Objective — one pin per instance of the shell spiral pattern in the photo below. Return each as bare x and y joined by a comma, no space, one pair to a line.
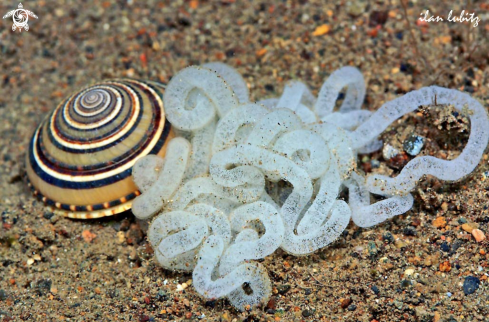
81,156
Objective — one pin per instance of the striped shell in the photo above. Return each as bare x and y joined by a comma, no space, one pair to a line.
81,156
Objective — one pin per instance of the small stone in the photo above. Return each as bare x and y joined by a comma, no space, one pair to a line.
133,255
375,289
307,313
389,152
272,303
409,231
387,236
48,215
161,295
282,289
398,304
188,315
439,222
352,307
30,261
478,235
444,206
406,283
445,267
88,236
53,249
445,247
43,286
462,220
467,227
121,237
413,144
409,272
3,295
471,284
345,302
321,30
372,248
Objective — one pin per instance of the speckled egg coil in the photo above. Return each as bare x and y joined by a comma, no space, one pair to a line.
80,157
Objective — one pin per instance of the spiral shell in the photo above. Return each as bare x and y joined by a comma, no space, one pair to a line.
81,156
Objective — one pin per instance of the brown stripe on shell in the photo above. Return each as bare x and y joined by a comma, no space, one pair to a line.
60,189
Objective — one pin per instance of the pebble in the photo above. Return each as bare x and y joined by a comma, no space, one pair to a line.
389,152
409,231
440,222
467,227
282,289
406,283
3,295
307,313
409,272
121,237
478,235
48,215
471,284
88,236
372,249
352,307
162,295
375,289
398,304
445,247
462,220
345,302
387,236
445,267
272,303
43,286
413,144
181,287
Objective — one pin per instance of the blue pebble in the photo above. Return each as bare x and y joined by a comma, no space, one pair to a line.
375,289
471,284
413,145
445,247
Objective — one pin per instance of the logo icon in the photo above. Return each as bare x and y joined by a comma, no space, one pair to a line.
20,17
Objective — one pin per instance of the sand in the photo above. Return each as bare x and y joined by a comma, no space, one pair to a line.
410,268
